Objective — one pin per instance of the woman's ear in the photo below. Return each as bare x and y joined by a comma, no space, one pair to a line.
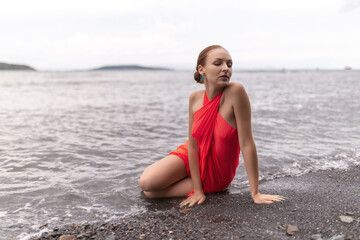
201,70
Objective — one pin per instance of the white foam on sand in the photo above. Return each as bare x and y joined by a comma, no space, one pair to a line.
3,214
27,236
341,160
27,206
134,210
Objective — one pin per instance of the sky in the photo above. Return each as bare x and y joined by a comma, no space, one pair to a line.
259,34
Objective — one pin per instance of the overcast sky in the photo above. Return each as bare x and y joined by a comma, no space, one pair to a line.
79,34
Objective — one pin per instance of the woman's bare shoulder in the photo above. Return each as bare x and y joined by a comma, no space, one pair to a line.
195,100
196,95
236,93
235,87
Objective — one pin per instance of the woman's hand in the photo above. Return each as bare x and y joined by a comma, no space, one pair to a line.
267,199
196,197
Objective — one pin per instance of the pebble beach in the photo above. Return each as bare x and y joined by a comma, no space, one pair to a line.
318,205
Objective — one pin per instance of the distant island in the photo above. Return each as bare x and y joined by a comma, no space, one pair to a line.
128,67
7,66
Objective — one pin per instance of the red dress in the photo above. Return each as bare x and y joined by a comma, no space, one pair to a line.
218,147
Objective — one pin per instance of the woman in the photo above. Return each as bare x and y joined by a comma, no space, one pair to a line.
219,125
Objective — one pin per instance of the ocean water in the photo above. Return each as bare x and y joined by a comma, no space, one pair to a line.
73,144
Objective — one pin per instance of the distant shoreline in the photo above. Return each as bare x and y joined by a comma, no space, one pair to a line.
22,67
187,70
8,66
129,67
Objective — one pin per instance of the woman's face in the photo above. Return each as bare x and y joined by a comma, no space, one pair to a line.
218,67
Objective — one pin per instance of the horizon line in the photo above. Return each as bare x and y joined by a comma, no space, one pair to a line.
345,68
191,70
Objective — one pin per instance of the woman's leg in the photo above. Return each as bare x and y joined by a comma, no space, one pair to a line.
165,177
181,188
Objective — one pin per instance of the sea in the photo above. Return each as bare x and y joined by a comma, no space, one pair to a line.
73,144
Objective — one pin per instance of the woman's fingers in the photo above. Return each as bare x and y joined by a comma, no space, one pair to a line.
279,199
183,203
201,200
186,202
192,200
192,203
189,202
267,199
274,197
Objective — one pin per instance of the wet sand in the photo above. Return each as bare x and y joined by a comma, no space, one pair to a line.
315,202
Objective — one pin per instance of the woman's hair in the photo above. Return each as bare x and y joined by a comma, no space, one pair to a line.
201,61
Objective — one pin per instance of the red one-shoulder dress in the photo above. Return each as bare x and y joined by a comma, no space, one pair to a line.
218,147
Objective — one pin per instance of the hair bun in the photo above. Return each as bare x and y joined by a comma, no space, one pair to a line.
197,77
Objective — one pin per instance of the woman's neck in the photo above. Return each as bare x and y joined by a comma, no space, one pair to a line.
212,92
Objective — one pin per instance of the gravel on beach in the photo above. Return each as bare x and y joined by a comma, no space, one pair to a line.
312,209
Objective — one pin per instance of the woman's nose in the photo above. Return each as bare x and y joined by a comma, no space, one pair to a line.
225,67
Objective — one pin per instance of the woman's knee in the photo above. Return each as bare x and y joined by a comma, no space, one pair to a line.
150,194
143,183
163,173
145,180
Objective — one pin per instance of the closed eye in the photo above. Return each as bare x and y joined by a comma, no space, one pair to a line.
229,64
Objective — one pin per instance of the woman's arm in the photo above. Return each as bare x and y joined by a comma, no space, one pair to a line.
193,154
242,112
